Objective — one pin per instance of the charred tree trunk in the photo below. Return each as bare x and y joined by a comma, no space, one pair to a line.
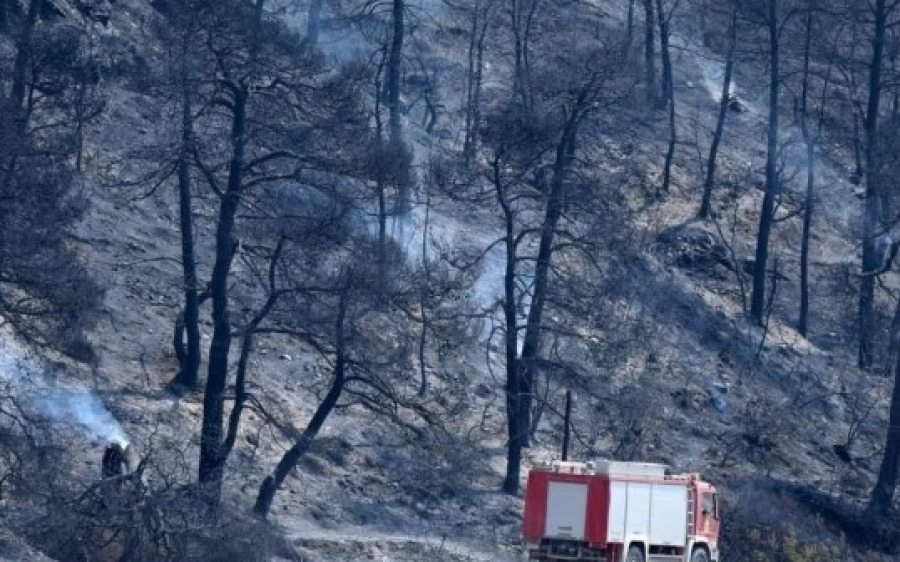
23,56
873,211
469,142
766,216
240,379
531,341
803,318
567,422
270,485
395,57
189,320
857,153
423,300
210,472
81,91
709,182
516,432
474,78
668,83
395,122
882,498
16,117
649,50
668,94
380,183
522,18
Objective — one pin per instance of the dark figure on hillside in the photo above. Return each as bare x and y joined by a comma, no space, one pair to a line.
113,461
119,460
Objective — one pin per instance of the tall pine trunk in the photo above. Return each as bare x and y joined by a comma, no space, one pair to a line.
767,214
809,139
16,119
531,341
668,93
395,122
475,76
515,431
809,203
710,180
522,20
882,498
649,50
211,466
872,211
188,354
668,82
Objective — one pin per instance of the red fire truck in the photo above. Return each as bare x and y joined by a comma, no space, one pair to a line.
609,511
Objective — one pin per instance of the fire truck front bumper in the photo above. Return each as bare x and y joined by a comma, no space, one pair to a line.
554,549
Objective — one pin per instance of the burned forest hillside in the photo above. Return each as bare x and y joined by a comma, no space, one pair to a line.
309,280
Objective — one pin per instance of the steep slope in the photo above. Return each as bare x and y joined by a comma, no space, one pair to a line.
369,490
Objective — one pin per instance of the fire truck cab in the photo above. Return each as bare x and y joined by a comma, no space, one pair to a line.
609,511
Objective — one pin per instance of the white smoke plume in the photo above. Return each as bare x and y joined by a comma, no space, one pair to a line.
713,75
82,409
73,405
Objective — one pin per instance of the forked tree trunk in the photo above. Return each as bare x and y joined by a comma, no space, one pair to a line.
289,460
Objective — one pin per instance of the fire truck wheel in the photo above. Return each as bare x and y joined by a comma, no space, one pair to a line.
700,555
635,554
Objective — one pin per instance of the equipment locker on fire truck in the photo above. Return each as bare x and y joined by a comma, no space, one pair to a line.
612,511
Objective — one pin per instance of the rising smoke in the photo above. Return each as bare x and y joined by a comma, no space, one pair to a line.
71,406
713,73
82,409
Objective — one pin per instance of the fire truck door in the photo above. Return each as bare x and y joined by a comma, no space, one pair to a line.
708,525
566,510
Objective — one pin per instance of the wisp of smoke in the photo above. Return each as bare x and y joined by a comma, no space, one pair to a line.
74,406
84,410
713,75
